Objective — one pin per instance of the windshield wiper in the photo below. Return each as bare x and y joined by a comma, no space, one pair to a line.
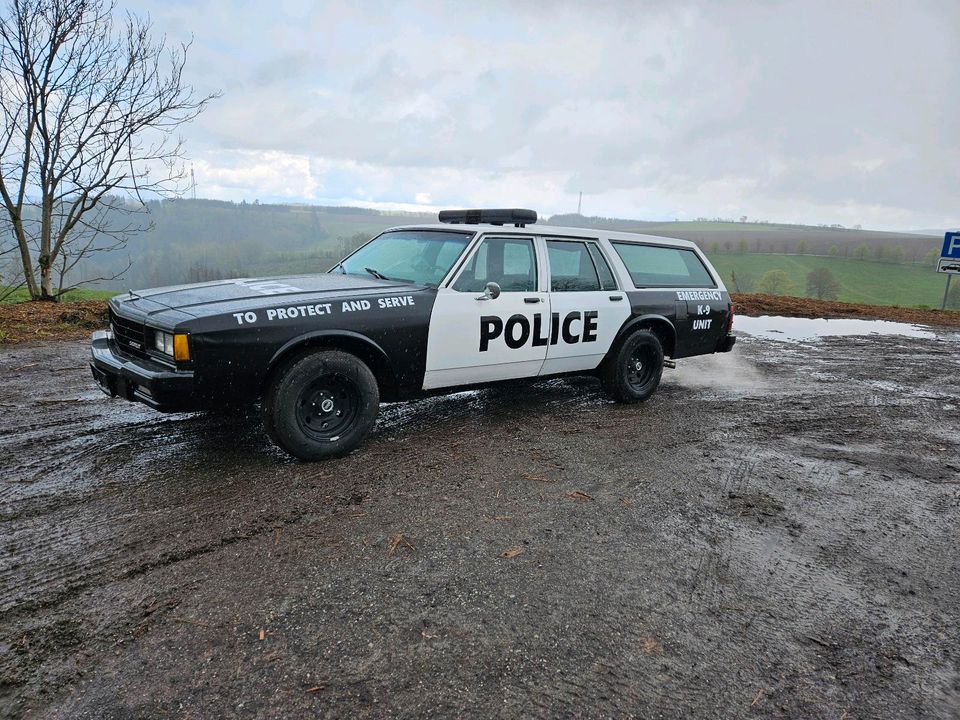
377,274
343,270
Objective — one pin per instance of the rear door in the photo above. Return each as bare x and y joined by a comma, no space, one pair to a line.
474,338
703,305
586,306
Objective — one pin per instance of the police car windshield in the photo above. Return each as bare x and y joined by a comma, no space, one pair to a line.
422,257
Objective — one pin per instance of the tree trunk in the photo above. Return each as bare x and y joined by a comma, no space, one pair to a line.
46,280
28,274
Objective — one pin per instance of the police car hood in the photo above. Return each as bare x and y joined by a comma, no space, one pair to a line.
223,296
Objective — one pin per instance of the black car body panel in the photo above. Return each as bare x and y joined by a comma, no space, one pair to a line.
237,335
240,331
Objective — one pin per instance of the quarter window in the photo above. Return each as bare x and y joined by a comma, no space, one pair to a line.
509,262
659,266
571,269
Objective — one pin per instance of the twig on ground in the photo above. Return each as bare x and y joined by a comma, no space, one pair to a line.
737,608
395,541
536,478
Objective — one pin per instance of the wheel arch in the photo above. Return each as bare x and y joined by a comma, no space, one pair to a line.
344,340
665,331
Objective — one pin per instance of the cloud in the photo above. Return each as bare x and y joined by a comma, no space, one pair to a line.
796,111
251,175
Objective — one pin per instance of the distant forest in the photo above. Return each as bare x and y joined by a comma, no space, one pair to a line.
199,240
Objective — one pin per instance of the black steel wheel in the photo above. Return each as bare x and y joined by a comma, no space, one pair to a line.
321,405
641,366
632,372
328,406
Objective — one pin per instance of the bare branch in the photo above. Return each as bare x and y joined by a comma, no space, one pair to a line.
89,108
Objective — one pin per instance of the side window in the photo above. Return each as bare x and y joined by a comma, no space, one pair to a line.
571,269
509,262
659,266
607,281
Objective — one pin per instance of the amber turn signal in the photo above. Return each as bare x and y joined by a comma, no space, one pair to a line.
181,347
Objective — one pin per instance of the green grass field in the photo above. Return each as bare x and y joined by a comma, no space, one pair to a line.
861,281
80,294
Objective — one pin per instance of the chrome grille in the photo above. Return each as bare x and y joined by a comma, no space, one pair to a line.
130,335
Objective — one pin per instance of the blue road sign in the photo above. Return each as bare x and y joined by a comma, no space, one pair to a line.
951,246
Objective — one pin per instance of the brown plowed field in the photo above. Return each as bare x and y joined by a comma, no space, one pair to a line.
756,304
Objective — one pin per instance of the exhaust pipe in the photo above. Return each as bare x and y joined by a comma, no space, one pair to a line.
669,363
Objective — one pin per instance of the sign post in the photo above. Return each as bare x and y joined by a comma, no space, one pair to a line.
949,262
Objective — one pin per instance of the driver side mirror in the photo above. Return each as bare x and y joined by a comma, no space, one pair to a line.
491,292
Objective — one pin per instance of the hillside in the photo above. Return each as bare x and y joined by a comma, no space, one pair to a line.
197,240
756,237
861,281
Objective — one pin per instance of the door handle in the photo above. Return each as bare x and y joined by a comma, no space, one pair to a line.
532,301
616,297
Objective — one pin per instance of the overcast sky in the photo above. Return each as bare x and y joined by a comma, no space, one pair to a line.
833,112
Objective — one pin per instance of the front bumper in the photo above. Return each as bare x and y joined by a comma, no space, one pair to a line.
139,380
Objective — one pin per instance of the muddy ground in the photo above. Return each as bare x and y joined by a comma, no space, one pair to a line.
774,534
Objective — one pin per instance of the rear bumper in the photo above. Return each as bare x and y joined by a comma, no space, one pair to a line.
727,343
138,380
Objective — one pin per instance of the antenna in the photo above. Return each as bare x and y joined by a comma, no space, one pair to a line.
193,184
580,203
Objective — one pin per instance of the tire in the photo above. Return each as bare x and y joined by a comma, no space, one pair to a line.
321,405
623,379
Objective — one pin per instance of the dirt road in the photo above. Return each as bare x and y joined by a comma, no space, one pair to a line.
775,534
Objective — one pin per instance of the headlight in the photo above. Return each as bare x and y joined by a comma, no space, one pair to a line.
163,342
175,346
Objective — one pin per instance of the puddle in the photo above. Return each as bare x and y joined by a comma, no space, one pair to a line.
794,329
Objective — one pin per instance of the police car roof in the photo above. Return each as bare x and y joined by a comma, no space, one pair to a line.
552,231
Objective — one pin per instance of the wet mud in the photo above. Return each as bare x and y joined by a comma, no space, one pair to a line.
774,534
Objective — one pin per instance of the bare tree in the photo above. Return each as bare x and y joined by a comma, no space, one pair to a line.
822,285
742,283
775,282
89,107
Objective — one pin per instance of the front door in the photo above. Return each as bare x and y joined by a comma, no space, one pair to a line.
476,338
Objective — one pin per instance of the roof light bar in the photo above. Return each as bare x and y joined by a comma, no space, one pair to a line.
518,217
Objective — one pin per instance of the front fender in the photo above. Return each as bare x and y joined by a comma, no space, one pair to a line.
355,343
313,337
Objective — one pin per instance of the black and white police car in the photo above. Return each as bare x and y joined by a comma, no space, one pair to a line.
481,297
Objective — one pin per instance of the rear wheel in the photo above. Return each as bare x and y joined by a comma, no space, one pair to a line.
321,405
632,373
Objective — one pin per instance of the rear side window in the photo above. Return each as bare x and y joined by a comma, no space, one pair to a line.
571,269
658,266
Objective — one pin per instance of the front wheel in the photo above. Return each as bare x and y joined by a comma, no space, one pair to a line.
322,405
632,373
